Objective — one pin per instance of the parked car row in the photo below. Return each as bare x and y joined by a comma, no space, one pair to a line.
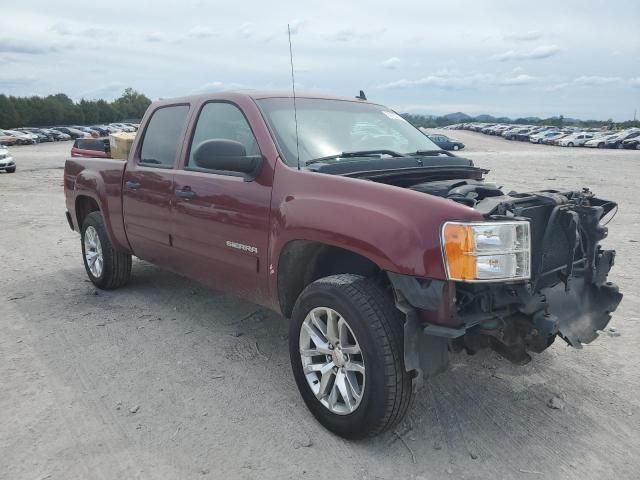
30,136
563,137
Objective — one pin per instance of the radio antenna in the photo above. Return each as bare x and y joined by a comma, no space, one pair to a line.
293,85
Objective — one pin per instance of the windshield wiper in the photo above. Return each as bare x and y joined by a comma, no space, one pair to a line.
358,153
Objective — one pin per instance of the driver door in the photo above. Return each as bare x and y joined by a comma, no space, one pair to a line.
221,220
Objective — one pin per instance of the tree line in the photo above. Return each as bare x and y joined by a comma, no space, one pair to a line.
59,109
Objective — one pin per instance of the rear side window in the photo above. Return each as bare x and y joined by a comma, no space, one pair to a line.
91,144
219,120
162,136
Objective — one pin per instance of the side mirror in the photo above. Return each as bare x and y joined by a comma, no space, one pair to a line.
226,156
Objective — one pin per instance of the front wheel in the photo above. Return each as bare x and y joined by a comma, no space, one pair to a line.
106,267
456,147
346,349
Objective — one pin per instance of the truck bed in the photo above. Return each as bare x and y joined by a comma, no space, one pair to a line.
98,180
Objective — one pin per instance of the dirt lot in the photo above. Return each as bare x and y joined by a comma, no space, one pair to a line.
164,379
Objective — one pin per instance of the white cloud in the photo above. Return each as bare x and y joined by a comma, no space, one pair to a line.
449,80
295,25
109,91
556,87
521,79
218,86
538,53
595,80
391,63
13,81
24,45
246,30
155,37
444,80
529,36
350,34
635,82
61,29
200,32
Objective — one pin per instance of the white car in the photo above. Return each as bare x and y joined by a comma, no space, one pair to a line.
6,161
599,141
123,127
540,136
575,139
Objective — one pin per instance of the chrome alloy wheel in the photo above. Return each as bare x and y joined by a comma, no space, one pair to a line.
93,252
332,360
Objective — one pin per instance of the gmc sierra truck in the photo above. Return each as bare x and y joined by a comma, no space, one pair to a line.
387,253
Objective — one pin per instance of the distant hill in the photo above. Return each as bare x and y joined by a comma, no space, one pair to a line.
458,117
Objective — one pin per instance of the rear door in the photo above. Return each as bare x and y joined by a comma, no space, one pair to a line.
148,184
221,220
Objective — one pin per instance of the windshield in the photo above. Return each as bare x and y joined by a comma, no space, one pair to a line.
330,127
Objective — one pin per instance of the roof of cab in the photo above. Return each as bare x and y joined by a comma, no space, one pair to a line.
252,94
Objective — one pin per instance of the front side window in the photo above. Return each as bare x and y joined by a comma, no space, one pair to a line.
331,127
162,136
222,121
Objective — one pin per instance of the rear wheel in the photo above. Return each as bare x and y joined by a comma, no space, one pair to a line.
106,267
601,145
346,348
570,144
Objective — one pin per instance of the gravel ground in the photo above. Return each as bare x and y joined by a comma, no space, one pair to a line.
165,379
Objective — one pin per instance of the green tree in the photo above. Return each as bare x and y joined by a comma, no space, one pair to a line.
59,109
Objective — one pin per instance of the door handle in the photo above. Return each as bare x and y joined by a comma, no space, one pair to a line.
132,185
185,193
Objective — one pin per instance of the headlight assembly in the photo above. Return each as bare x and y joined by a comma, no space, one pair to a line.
487,251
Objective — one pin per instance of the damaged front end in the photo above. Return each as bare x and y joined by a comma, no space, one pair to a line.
566,294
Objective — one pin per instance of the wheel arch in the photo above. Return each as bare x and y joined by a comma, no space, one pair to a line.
84,205
301,262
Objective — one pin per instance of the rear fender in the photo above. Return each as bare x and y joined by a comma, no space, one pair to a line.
91,184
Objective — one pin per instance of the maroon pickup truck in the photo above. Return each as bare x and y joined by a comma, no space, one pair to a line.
387,253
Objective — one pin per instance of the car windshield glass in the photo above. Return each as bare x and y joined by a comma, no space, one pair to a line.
329,127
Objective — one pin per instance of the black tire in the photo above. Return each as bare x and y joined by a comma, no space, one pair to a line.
378,327
570,144
116,269
11,170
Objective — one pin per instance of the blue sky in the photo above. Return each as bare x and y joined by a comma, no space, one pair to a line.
580,59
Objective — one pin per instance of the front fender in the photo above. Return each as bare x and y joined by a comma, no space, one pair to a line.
396,228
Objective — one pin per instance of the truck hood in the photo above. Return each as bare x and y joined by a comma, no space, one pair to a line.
403,171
